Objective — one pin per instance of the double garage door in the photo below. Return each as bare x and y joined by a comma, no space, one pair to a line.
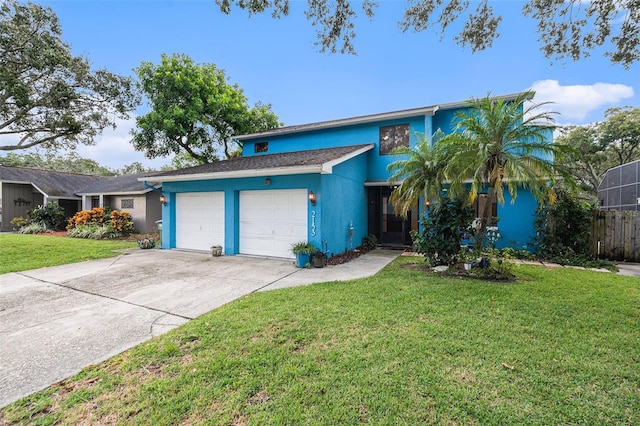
270,221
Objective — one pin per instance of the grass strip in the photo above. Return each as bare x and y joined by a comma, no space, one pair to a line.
20,252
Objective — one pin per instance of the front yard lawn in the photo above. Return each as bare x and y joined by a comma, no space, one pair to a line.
560,346
20,252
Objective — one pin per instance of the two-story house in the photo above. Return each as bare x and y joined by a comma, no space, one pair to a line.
324,182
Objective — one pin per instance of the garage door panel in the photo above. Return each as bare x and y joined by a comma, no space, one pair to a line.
271,221
199,220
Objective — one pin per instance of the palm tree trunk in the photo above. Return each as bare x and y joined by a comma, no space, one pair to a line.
486,217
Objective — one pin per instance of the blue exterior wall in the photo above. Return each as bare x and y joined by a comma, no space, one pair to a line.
327,221
231,188
345,205
516,220
341,196
343,136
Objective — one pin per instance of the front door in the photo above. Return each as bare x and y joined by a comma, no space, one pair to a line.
389,227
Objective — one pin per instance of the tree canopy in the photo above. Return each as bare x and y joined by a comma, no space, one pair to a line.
71,163
194,110
600,146
566,28
49,97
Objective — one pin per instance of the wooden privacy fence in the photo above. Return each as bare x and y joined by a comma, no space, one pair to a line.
615,235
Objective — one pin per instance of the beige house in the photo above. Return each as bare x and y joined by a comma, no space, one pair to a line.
126,193
22,189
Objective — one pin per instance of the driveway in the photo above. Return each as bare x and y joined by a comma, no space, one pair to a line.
55,321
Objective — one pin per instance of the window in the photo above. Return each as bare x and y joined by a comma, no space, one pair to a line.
261,147
481,201
126,203
392,137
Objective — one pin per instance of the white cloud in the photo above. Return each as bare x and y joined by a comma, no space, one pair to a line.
576,102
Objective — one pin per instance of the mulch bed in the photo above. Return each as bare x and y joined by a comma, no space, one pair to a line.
458,271
346,256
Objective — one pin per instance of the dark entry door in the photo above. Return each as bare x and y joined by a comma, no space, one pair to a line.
384,223
393,226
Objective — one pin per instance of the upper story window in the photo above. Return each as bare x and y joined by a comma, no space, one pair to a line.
261,147
392,137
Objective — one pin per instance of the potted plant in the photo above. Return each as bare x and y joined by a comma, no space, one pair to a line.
319,259
303,251
466,257
146,243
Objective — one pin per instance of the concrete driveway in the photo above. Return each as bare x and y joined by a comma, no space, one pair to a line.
55,321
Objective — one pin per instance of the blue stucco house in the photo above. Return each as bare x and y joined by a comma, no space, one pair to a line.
324,182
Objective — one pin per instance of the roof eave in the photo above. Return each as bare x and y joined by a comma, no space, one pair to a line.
109,193
425,111
296,170
327,168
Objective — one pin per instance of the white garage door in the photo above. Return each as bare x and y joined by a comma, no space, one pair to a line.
199,220
272,220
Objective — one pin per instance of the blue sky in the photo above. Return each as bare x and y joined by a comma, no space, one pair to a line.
276,62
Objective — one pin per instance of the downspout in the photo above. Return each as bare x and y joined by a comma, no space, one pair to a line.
146,185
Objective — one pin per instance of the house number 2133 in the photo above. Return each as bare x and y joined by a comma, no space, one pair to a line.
313,223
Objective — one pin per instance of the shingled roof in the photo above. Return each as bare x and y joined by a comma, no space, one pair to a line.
51,183
126,184
311,161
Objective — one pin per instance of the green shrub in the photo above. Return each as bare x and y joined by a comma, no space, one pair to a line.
564,231
94,231
120,223
33,228
51,215
441,229
19,221
369,242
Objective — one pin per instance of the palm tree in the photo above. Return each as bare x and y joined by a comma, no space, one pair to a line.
500,144
420,173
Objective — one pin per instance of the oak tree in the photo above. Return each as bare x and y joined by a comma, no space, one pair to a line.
566,28
598,147
49,97
194,110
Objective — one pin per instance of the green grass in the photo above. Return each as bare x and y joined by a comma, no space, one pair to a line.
20,252
559,346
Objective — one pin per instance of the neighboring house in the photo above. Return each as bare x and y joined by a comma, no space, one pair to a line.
126,193
323,182
22,189
620,188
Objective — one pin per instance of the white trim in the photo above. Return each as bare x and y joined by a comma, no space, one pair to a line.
416,112
238,174
107,193
377,183
327,168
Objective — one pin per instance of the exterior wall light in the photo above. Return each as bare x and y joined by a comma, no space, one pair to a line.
163,200
267,181
312,198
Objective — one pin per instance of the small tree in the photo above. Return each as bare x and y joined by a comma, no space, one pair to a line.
564,228
500,145
419,174
441,230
